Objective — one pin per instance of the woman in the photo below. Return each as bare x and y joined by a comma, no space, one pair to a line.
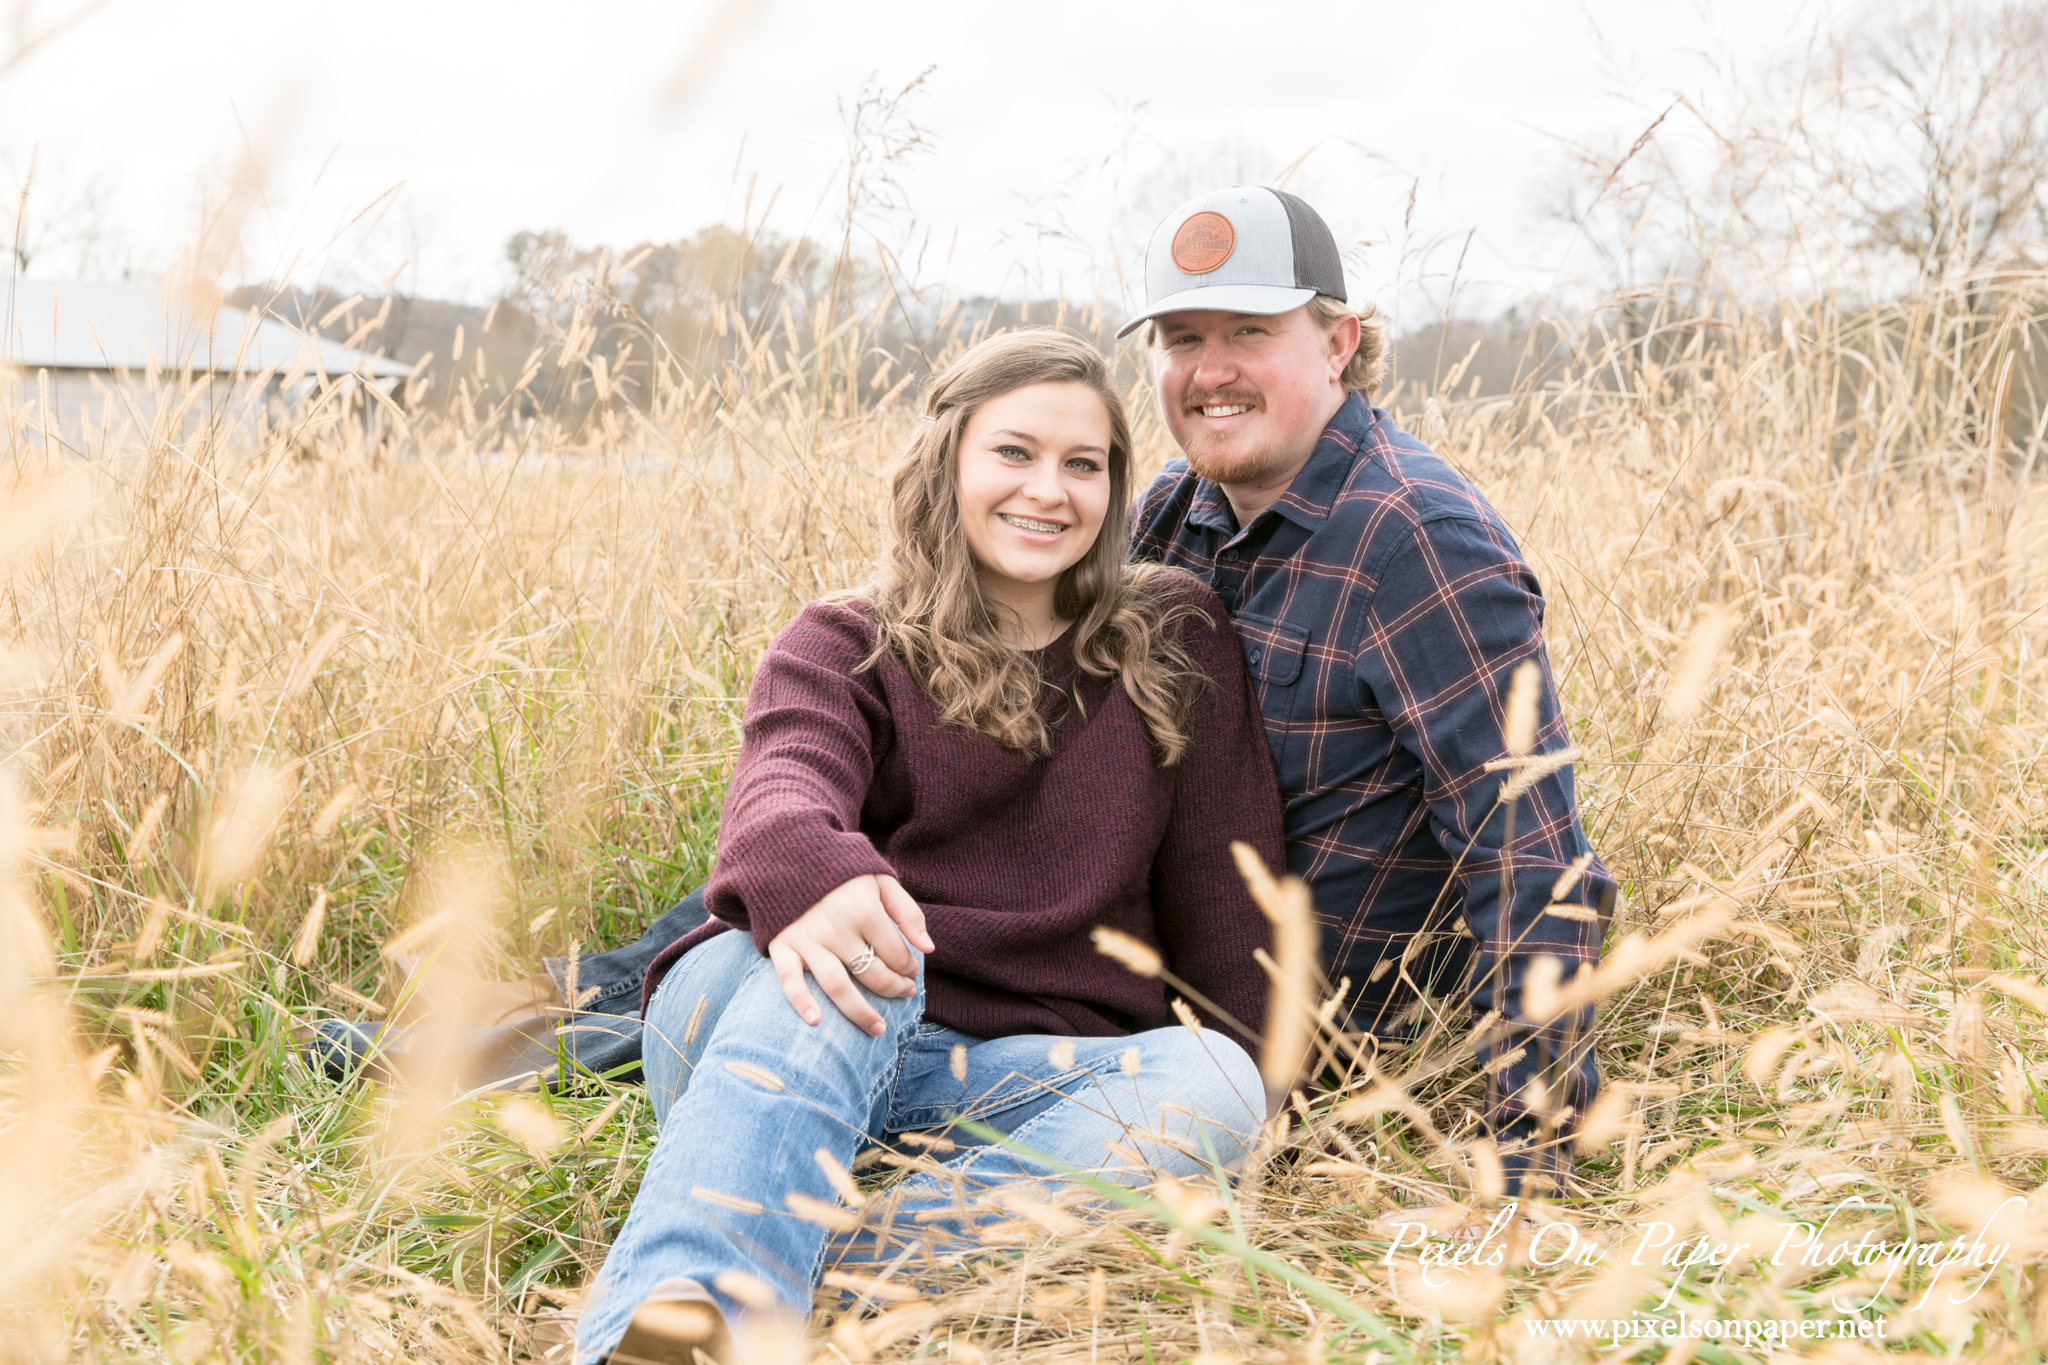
947,781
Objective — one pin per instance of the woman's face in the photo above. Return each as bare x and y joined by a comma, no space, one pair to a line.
1034,484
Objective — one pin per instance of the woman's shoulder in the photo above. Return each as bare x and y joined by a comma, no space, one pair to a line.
838,630
1189,607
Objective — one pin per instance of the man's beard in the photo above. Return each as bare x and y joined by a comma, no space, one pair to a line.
1249,466
1243,466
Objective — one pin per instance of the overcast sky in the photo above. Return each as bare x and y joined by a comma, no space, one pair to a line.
624,122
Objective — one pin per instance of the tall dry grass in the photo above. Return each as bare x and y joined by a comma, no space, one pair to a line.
274,722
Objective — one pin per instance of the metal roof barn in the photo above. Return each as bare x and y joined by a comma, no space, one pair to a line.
143,327
80,359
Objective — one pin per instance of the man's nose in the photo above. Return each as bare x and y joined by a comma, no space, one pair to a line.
1213,368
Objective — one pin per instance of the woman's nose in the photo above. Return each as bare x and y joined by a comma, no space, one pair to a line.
1043,483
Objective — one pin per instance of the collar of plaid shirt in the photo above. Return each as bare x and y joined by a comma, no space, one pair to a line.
1382,606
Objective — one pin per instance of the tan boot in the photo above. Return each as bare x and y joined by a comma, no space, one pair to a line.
678,1323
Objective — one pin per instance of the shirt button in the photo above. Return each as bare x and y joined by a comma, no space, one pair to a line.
1230,556
1255,655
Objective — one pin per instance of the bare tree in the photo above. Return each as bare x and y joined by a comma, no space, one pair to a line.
1906,144
61,226
1955,176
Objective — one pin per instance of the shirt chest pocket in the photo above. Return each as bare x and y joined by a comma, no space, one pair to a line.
1273,655
1273,652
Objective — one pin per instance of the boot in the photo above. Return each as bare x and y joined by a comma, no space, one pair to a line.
678,1323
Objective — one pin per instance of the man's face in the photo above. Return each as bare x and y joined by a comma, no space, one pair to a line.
1247,397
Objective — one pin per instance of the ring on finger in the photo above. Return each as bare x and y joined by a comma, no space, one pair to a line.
856,966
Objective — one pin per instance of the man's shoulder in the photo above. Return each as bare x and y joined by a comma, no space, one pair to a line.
1400,488
1174,480
1162,509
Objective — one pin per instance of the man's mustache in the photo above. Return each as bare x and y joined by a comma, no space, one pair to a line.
1220,398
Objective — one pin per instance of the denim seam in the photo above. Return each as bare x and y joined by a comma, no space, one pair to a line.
966,1162
666,981
888,1078
1023,1092
611,992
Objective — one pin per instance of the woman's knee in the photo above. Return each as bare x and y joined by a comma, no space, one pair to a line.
748,1020
836,1040
1208,1074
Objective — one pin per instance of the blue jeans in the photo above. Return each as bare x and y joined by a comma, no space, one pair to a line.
599,1037
609,982
744,1093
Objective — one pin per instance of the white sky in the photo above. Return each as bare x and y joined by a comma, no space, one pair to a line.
515,114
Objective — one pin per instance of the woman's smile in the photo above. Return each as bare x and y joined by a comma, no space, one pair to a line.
1035,528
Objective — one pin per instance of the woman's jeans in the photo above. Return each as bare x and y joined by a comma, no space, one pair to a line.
746,1096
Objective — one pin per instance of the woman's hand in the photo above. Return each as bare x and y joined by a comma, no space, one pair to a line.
858,922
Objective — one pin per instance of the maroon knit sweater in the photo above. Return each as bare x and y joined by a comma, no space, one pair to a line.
844,772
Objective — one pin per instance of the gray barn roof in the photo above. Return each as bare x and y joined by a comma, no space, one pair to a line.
134,326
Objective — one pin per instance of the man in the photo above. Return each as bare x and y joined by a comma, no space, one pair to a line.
1383,608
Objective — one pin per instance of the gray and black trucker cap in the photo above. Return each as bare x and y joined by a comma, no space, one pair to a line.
1246,249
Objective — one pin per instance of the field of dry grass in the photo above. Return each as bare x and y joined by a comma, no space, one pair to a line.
272,720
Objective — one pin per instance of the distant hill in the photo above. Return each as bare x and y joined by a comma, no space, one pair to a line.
676,291
414,327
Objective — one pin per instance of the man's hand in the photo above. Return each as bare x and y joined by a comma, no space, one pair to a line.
861,922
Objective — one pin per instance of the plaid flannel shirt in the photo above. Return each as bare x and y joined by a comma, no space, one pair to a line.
1383,606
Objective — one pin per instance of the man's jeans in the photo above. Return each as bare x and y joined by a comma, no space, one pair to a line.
600,1036
746,1096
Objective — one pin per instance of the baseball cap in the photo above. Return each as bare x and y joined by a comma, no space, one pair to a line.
1246,249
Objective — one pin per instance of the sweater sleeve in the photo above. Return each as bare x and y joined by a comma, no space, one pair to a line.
1208,924
815,725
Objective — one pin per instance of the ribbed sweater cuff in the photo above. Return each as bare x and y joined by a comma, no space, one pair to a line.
778,885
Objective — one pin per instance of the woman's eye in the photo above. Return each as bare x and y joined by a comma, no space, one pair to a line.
1082,465
1013,453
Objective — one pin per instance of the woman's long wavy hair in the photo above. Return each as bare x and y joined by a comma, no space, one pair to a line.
926,595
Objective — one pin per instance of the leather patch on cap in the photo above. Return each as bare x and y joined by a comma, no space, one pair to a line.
1204,242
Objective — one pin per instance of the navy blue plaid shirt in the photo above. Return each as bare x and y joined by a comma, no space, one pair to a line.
1383,607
